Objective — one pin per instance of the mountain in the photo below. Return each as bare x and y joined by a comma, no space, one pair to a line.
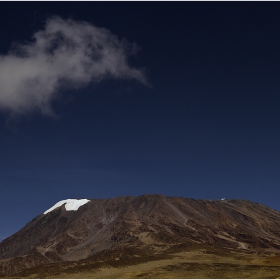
134,227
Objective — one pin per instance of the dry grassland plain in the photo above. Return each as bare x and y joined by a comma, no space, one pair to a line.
200,263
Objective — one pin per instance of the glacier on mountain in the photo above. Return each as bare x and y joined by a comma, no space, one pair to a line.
70,204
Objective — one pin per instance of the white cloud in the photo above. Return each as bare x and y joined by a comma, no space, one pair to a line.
66,53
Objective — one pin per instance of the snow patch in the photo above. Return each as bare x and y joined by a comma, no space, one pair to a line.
70,204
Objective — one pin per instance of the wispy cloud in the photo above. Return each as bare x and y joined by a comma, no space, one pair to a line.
66,53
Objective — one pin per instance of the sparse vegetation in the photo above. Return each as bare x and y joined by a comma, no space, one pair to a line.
195,263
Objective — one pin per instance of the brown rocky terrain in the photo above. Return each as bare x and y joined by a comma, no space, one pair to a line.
150,236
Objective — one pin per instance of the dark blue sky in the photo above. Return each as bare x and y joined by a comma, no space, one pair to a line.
206,125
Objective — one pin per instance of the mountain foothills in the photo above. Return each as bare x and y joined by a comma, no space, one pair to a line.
86,235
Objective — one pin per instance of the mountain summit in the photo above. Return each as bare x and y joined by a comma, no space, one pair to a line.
73,230
70,204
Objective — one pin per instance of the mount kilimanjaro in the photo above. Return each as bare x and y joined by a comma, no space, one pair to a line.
91,231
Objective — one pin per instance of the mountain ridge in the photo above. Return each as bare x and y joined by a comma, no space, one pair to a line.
143,225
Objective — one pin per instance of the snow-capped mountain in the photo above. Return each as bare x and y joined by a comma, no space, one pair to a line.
73,229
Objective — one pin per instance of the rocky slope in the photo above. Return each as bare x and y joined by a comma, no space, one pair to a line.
144,225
